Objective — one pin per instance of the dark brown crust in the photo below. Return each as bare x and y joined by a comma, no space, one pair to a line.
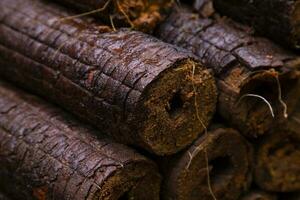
143,15
46,154
242,64
277,166
258,195
277,19
230,158
106,79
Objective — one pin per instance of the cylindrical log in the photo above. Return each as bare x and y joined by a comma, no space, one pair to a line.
257,80
258,195
130,85
229,158
277,161
277,19
142,15
46,154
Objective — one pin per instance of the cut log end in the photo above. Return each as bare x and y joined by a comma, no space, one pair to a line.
278,162
178,106
229,158
263,99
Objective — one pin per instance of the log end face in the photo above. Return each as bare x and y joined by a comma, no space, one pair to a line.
229,160
278,162
260,101
177,107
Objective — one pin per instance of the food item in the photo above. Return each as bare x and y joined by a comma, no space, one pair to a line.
46,154
277,19
257,80
229,163
130,85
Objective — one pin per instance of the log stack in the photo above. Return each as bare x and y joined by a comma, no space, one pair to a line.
160,99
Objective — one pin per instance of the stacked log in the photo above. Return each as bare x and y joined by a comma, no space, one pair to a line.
130,85
250,71
277,19
185,102
229,158
138,14
46,154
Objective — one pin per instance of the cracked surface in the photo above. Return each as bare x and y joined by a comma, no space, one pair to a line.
230,165
242,64
277,19
109,79
46,154
144,15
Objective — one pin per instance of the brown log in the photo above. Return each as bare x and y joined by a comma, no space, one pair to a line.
258,195
277,19
142,15
130,85
46,154
244,65
277,166
230,168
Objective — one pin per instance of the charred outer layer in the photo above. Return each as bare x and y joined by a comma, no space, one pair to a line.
242,64
45,154
130,85
277,19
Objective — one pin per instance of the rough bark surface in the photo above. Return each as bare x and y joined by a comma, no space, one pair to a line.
45,154
131,85
243,65
142,15
230,165
277,161
259,195
277,19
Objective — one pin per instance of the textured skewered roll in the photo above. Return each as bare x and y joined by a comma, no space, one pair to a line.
130,85
257,80
229,158
142,15
46,154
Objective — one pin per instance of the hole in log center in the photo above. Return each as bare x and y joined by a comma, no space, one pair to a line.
175,105
222,167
